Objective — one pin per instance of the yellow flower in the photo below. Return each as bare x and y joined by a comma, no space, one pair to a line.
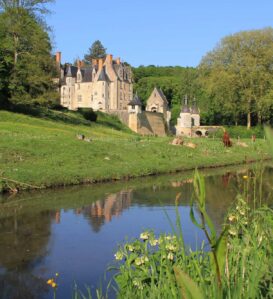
57,274
50,281
54,285
245,177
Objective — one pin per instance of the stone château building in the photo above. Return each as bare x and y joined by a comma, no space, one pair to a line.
105,85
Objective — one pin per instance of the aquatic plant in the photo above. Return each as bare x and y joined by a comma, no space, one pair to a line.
238,263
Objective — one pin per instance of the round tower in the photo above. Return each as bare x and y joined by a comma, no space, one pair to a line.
195,114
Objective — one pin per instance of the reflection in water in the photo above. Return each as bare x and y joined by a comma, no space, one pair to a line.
44,233
102,211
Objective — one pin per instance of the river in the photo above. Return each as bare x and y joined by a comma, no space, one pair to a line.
76,231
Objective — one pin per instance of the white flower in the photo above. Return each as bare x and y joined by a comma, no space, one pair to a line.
138,284
170,256
242,212
138,261
232,232
144,236
141,260
171,247
154,242
119,256
130,247
231,218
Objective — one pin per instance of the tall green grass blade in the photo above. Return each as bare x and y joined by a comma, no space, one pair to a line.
193,219
220,252
188,288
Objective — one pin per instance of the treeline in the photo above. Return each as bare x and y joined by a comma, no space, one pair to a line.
27,67
233,83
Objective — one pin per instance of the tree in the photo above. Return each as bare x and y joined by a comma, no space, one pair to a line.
26,64
238,73
29,5
96,51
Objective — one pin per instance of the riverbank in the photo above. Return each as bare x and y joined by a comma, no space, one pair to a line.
37,153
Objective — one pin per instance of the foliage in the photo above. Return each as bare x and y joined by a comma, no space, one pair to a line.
88,114
175,82
241,132
238,264
238,75
29,5
96,51
26,65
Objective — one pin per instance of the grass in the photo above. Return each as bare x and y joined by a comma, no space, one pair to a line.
45,152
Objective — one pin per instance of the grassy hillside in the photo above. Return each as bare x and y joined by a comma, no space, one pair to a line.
46,152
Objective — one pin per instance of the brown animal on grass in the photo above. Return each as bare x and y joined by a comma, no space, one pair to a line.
226,140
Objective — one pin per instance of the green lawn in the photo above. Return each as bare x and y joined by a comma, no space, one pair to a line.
45,152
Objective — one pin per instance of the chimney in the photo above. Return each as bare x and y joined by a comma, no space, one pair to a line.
79,64
94,62
100,63
118,60
109,58
58,57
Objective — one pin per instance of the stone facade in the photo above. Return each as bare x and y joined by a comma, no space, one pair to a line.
158,103
151,121
105,85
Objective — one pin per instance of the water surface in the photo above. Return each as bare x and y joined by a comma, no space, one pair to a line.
76,231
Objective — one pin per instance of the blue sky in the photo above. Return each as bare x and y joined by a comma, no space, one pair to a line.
159,32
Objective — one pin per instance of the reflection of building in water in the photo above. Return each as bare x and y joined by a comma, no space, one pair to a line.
102,211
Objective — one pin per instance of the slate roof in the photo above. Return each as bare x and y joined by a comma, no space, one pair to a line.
185,108
136,101
103,76
194,109
87,74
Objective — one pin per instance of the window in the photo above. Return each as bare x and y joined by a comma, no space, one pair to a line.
133,106
92,98
95,93
103,95
79,98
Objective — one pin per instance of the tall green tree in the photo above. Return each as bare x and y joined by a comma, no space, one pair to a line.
238,74
26,64
96,51
33,6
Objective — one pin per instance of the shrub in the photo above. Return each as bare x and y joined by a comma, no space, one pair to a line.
241,132
88,114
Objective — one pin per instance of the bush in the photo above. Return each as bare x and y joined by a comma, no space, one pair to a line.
240,131
88,114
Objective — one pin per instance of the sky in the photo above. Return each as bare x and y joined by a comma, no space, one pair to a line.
152,32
